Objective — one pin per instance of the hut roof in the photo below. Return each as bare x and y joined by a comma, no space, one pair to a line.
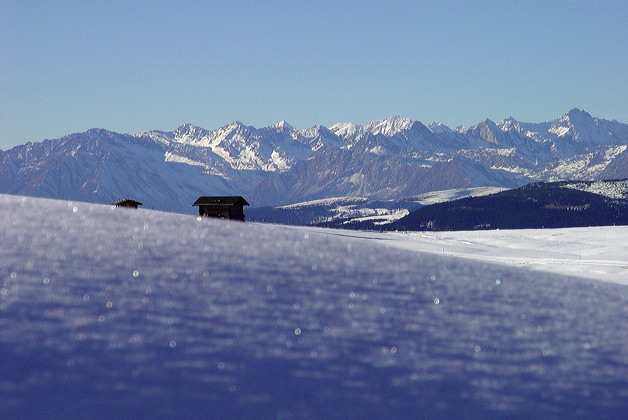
127,201
205,200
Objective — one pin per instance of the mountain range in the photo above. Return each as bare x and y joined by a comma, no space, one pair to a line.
279,165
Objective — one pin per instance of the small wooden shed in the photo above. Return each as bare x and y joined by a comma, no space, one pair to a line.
231,208
127,202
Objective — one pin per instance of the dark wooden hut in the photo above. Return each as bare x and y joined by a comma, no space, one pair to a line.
127,202
231,208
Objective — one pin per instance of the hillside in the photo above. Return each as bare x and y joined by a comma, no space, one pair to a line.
349,210
537,205
117,313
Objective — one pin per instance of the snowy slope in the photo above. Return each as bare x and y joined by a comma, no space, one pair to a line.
594,252
117,313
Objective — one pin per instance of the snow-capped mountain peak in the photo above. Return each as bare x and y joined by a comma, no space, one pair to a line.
189,131
579,126
486,130
509,124
438,128
344,129
283,126
319,137
572,119
578,114
388,127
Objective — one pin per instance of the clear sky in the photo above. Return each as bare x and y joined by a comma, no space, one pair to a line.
130,66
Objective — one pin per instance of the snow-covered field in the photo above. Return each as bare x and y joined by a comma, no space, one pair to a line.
116,313
596,253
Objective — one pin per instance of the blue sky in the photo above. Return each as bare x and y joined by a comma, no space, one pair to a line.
131,66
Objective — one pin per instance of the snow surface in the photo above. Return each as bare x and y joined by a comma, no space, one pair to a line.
595,253
118,313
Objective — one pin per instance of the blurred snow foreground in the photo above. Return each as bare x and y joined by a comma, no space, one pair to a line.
117,313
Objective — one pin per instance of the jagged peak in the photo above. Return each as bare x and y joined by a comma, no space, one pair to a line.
509,124
436,127
574,115
578,112
398,121
188,129
186,126
98,131
486,130
390,126
236,126
318,129
283,125
345,128
486,123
